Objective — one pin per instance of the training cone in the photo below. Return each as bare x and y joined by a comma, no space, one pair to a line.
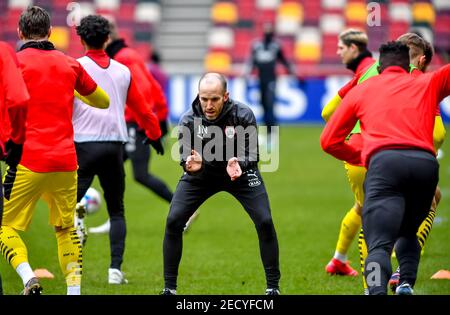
43,273
441,274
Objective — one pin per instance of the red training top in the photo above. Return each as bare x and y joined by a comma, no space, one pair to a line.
51,78
396,110
13,99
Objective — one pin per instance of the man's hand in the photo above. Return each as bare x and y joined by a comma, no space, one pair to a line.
194,162
156,144
13,153
234,169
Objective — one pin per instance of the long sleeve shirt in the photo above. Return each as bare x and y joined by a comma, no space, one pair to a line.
396,110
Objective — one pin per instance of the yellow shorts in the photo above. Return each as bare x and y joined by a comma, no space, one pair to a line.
23,188
356,176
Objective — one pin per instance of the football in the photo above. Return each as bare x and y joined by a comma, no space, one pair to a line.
91,201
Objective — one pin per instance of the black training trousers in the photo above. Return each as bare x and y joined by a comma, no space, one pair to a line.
192,191
399,188
105,159
267,92
139,154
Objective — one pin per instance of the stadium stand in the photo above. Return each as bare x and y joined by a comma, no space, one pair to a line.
192,34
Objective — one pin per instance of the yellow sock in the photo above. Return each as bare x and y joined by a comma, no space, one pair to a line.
362,246
70,255
425,228
349,227
12,247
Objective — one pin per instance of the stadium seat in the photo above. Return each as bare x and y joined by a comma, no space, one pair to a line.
333,4
109,5
313,11
60,37
443,5
243,38
423,12
329,48
147,12
289,18
442,25
356,12
400,12
267,4
308,45
246,9
221,37
331,24
217,61
19,4
224,13
396,29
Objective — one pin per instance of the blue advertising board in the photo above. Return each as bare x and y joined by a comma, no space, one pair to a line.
296,101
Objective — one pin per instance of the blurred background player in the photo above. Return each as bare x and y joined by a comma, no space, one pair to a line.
135,149
397,112
264,56
48,167
100,136
13,110
352,49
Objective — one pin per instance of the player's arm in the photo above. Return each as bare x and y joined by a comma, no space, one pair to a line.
282,58
334,103
160,107
331,107
98,98
144,115
188,155
438,132
441,82
15,94
88,91
247,150
336,131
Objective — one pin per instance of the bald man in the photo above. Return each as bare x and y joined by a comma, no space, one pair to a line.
219,152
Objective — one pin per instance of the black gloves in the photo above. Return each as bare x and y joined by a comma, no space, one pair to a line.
156,144
164,127
13,153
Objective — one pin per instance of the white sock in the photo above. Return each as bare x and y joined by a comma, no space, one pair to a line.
340,257
74,290
25,272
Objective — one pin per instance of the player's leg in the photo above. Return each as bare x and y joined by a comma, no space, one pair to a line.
60,195
190,193
250,191
139,155
350,225
383,212
111,175
87,156
421,189
422,235
22,190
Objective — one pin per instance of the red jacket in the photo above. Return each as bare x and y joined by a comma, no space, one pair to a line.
13,99
360,70
151,89
396,110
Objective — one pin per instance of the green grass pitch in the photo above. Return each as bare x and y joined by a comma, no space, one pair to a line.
309,196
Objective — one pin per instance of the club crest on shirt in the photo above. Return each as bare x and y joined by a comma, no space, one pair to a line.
202,131
230,132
